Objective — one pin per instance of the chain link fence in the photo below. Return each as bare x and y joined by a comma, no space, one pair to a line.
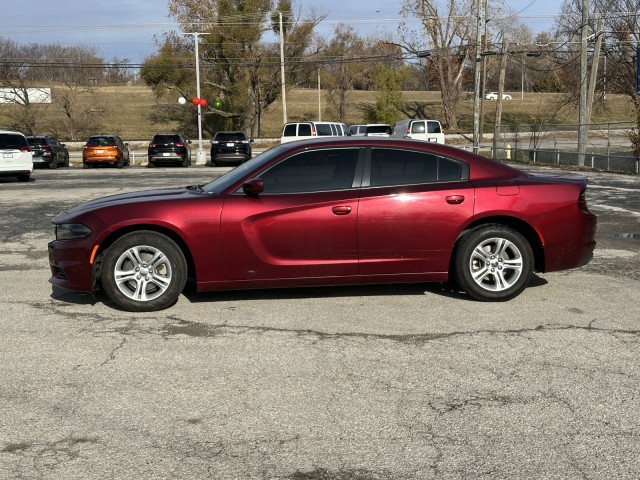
608,147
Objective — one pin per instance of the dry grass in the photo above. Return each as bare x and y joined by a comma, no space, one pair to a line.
127,110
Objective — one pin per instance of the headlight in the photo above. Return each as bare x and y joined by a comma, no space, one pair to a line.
68,231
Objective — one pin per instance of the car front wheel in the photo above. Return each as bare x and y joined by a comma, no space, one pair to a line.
493,263
144,271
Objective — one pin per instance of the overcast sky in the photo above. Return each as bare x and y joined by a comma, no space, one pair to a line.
125,29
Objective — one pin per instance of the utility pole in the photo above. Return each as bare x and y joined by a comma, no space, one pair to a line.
476,95
282,77
583,122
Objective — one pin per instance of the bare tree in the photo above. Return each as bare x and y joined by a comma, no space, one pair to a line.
446,33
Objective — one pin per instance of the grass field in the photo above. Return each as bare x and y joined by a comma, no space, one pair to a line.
128,109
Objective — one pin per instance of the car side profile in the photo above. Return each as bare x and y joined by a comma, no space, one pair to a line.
494,96
105,150
16,158
335,211
293,131
48,151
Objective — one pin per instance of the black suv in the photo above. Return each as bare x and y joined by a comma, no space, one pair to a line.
169,148
230,147
48,151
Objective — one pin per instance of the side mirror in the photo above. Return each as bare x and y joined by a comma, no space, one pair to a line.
253,187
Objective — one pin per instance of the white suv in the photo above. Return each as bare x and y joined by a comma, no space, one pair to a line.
16,159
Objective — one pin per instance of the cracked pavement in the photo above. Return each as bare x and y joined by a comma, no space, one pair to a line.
358,383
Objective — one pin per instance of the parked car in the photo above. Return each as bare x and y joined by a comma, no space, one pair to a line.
494,96
378,130
357,130
48,151
15,156
334,211
419,129
105,150
293,131
168,149
230,147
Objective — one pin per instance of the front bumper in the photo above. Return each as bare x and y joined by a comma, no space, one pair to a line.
69,263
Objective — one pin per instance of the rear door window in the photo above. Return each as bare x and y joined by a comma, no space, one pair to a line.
304,130
417,127
289,130
405,167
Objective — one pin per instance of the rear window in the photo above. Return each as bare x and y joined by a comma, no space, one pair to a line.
379,129
35,141
230,137
166,139
12,141
101,141
434,127
417,127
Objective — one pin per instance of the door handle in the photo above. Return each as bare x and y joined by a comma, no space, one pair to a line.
341,210
454,199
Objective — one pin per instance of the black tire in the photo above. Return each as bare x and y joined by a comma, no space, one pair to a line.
24,178
150,164
53,164
66,160
185,163
120,163
148,288
493,263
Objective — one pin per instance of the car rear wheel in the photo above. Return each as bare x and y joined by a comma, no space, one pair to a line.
493,263
54,162
144,271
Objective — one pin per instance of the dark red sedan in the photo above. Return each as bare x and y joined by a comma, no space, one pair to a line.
330,212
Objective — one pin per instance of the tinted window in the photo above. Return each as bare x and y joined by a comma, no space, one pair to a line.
417,127
404,167
101,141
318,170
434,127
289,130
323,129
304,130
379,129
166,139
12,141
230,137
36,141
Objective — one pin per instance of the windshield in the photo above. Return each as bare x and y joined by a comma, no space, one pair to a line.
220,184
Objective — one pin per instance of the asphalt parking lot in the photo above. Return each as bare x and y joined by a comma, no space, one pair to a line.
382,382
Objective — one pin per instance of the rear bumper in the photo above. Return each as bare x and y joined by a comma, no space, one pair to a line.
230,157
570,241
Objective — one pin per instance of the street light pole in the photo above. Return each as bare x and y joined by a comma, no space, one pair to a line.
201,155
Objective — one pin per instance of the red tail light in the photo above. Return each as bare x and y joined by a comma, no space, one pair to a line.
151,145
25,149
313,132
582,198
180,145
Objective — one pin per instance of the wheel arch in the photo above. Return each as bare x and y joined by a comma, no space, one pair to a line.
516,224
115,235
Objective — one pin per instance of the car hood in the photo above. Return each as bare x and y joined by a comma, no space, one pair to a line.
144,196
